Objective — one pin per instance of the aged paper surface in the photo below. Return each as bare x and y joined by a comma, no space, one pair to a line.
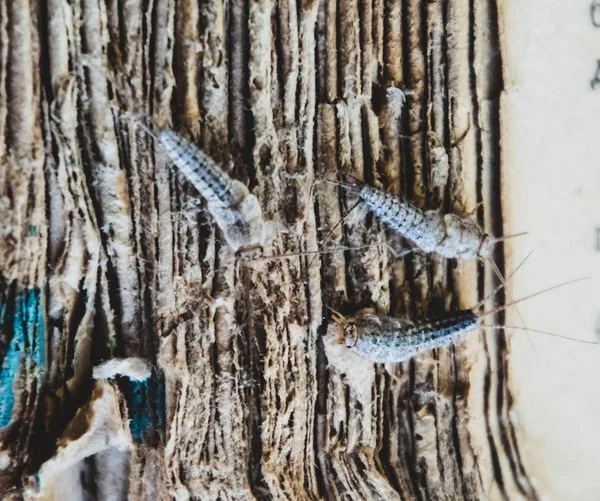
551,187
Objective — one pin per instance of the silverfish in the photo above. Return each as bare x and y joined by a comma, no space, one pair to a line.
450,235
236,211
383,339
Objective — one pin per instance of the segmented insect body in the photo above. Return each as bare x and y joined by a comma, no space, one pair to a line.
236,211
449,235
199,169
387,339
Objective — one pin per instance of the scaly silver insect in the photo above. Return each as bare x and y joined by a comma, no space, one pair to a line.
236,211
383,339
450,235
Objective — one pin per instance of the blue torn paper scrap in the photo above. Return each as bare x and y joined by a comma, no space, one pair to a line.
146,399
27,345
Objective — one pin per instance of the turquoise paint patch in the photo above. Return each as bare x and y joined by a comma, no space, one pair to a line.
8,372
29,319
28,342
146,406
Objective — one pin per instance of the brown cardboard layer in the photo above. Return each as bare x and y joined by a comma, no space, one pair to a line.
243,400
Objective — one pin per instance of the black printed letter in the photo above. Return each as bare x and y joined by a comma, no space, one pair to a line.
596,79
595,13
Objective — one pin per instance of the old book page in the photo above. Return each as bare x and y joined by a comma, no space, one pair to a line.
551,120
